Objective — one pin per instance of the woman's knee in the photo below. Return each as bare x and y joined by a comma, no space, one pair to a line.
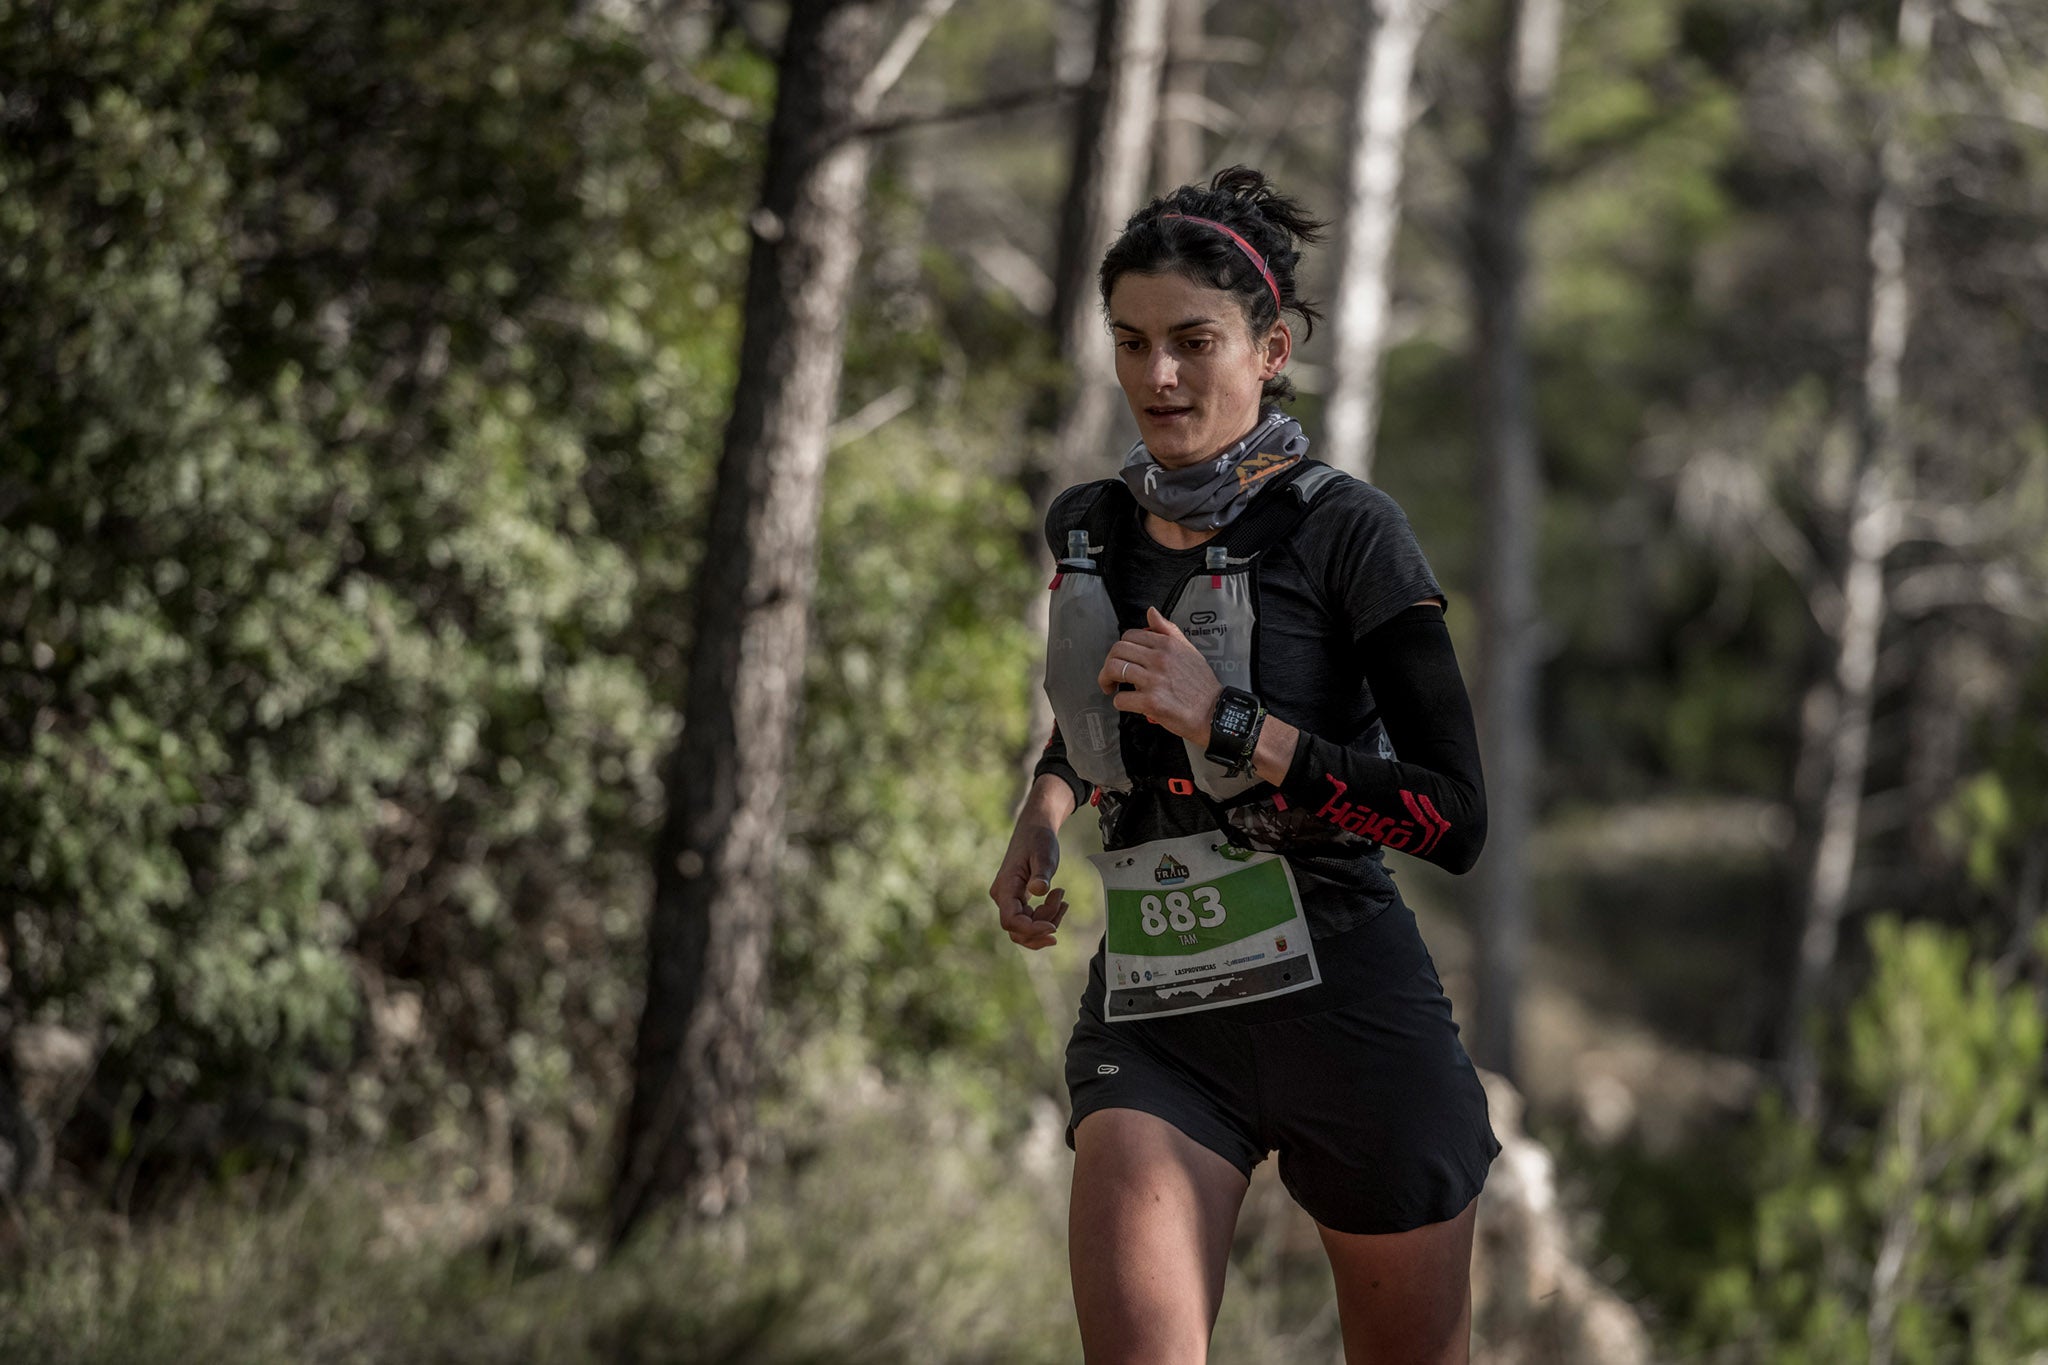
1405,1298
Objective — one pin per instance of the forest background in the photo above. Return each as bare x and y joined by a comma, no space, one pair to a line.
395,431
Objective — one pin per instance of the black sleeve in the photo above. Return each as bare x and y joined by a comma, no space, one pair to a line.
1370,567
1054,761
1430,800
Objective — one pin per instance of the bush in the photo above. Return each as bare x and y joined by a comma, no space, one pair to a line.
1908,1231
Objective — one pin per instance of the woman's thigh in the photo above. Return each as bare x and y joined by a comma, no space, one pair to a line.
1148,1238
1405,1298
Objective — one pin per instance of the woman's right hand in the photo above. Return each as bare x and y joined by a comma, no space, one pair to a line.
1028,866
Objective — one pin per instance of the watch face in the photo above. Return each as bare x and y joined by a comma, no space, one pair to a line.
1235,716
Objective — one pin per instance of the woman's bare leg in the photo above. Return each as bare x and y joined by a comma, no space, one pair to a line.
1148,1239
1405,1298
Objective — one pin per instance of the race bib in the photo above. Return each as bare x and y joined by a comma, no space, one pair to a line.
1197,923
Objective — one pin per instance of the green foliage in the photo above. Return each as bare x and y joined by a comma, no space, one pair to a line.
1999,818
909,762
1906,1232
358,372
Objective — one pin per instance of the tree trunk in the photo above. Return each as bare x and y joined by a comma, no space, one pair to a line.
1177,155
1511,511
687,1131
1874,514
1381,111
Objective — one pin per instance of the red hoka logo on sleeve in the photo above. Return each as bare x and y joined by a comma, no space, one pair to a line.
1418,835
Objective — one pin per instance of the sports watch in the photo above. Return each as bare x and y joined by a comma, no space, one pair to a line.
1234,730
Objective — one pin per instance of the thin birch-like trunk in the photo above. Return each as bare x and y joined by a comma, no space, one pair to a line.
1875,509
1902,1226
1177,157
1381,111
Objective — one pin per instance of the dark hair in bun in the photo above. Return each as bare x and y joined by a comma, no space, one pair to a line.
1157,242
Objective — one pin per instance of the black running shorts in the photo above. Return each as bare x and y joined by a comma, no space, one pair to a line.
1359,1082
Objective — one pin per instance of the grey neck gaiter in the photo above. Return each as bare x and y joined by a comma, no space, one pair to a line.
1210,495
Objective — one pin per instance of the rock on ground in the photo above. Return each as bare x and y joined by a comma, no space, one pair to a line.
1533,1303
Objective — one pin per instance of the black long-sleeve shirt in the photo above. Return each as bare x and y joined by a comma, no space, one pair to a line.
1387,750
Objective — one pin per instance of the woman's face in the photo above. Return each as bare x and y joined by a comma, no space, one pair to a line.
1188,364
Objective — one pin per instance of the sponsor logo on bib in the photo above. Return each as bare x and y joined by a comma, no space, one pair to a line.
1170,872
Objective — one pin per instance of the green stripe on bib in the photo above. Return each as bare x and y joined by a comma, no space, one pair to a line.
1198,917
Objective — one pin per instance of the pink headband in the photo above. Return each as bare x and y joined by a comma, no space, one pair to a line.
1257,259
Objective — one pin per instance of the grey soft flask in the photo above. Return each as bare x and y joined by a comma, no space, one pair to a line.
1080,628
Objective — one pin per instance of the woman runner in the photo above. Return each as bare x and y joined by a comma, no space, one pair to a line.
1254,686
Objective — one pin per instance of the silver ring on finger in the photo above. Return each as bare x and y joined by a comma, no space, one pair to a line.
1126,670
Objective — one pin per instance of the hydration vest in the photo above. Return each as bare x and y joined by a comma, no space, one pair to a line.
1215,606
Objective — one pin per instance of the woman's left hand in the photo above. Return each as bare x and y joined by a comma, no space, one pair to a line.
1171,683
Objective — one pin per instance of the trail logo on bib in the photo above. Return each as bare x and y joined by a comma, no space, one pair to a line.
1170,872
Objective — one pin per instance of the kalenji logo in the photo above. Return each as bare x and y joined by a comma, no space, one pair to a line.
1417,835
